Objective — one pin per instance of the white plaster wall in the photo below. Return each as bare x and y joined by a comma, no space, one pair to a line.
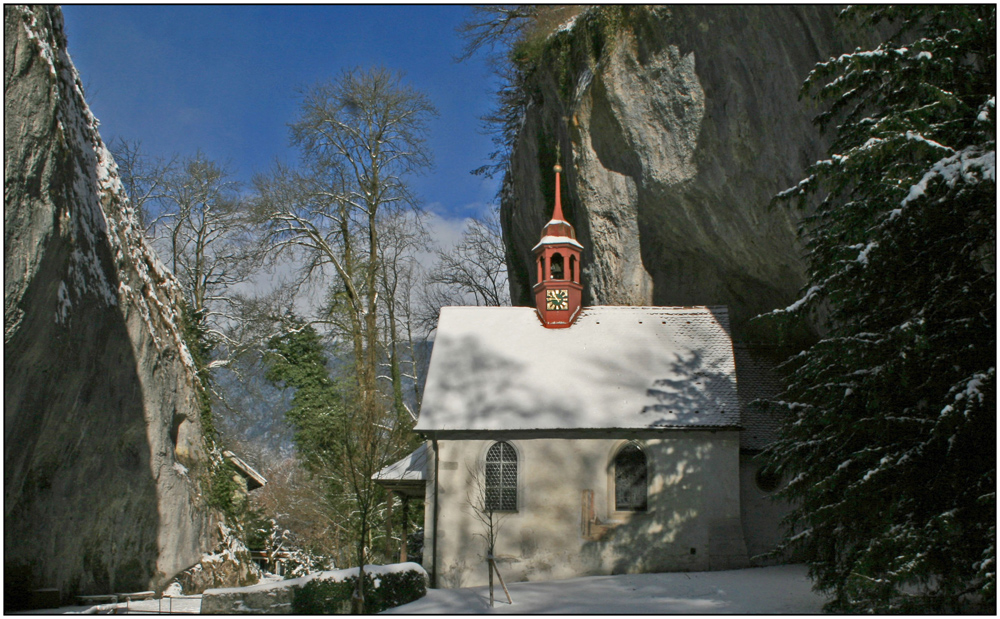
761,514
693,520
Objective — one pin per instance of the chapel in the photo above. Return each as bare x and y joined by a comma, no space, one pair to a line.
594,440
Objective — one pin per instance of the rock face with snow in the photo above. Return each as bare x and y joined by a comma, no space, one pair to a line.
103,445
675,132
229,566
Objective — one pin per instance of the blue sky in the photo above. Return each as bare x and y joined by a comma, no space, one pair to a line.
224,79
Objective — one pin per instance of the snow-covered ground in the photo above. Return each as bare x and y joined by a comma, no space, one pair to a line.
782,589
190,604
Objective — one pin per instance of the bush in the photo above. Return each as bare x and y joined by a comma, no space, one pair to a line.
396,589
382,592
323,597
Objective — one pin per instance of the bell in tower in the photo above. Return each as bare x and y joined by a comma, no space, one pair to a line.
558,291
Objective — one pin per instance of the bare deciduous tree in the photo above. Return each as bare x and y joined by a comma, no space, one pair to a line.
495,25
482,504
360,137
474,272
144,177
193,215
403,234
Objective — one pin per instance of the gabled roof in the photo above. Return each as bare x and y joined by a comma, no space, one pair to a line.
411,468
254,479
498,368
407,476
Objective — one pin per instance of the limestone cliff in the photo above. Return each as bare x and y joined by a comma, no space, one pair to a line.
676,126
103,444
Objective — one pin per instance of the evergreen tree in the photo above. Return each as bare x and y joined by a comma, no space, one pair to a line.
890,446
296,360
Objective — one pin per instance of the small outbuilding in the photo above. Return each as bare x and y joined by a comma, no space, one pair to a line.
408,479
246,477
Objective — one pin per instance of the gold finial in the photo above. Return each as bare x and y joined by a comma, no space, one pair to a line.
557,168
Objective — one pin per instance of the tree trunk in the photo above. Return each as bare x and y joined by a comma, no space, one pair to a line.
406,525
489,564
502,584
388,526
358,605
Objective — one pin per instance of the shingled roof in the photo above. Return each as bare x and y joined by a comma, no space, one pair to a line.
758,383
406,476
498,368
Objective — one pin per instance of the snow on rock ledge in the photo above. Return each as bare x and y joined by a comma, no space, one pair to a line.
99,394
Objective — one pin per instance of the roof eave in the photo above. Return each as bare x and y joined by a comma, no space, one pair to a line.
557,240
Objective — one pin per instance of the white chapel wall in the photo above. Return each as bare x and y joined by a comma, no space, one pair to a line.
762,514
693,520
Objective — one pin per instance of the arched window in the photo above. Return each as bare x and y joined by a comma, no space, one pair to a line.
767,480
572,269
556,266
541,269
630,480
501,477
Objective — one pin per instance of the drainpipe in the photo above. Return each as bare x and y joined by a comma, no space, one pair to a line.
434,542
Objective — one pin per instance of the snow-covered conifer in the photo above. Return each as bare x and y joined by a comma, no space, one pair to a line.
891,444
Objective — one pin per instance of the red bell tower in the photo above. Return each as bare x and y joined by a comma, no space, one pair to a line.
558,292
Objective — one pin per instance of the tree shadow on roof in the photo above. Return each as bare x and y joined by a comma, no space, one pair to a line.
696,393
486,387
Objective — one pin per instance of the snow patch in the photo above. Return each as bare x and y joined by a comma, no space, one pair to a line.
783,589
568,25
962,166
794,307
863,256
44,48
174,590
984,112
916,137
330,575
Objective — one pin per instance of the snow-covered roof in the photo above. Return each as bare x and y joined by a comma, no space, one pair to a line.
498,368
407,476
556,240
411,468
254,479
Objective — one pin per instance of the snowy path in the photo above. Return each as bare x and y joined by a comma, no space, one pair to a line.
190,604
782,589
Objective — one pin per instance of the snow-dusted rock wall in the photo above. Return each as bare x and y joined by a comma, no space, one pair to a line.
674,139
229,566
102,438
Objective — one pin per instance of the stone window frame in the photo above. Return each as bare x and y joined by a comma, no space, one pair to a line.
518,462
613,485
766,482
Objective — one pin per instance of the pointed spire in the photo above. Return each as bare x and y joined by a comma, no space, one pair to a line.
557,213
558,227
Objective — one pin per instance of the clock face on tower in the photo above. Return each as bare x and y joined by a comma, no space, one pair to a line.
557,299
